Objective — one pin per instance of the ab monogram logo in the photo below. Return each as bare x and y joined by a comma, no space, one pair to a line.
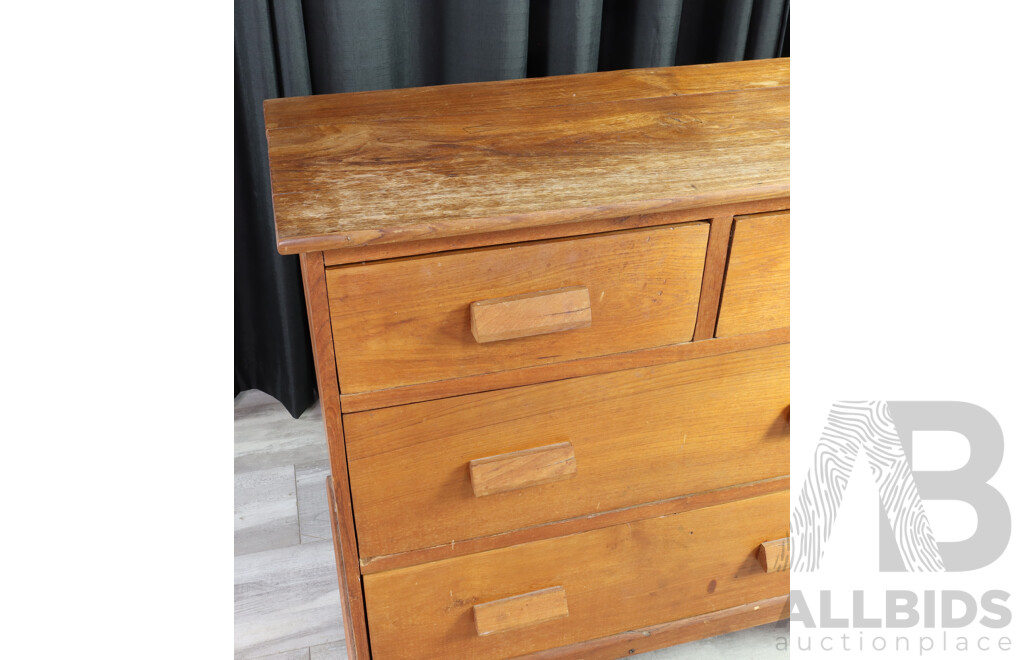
882,431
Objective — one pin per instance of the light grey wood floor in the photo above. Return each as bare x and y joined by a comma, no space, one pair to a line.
287,605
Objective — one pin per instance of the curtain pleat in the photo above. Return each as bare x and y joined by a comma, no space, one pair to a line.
565,37
301,47
784,39
767,22
355,46
289,35
637,34
272,350
733,28
484,40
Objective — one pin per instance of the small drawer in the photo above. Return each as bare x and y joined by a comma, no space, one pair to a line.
560,591
756,293
430,473
432,318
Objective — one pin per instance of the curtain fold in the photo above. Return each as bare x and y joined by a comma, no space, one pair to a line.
565,37
301,47
272,351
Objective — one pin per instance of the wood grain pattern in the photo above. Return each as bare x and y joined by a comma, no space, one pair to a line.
285,598
714,275
266,438
376,252
473,232
616,579
388,332
543,373
266,515
329,651
522,469
681,631
363,179
575,525
315,285
297,654
520,611
530,314
515,95
756,295
686,427
314,518
774,555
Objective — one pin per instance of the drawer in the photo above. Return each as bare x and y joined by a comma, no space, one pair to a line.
564,449
413,320
756,292
579,587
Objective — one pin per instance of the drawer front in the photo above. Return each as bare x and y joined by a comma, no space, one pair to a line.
429,473
432,318
756,293
559,591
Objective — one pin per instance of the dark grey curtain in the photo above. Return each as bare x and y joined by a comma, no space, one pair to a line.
297,48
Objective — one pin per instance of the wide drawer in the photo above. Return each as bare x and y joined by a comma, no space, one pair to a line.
756,293
434,472
437,317
579,587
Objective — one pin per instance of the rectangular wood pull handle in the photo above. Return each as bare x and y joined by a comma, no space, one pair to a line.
774,555
528,314
522,469
520,611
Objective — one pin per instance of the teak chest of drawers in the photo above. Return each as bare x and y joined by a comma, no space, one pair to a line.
551,327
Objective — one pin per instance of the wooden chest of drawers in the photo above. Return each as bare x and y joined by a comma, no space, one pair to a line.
551,321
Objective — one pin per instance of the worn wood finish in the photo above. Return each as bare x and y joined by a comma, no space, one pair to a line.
515,95
616,579
522,469
774,555
530,314
407,321
661,635
560,370
362,179
520,611
575,525
315,285
756,295
685,427
533,292
377,252
714,274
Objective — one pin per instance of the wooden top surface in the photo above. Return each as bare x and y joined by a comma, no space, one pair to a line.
402,165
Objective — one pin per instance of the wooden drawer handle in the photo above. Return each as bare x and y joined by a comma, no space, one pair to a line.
522,469
520,611
528,314
774,555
